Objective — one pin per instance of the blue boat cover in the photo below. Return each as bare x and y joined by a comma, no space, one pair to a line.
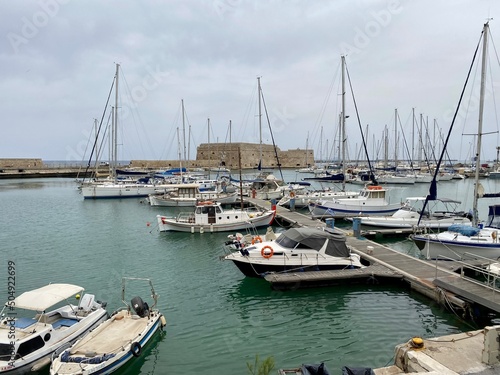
465,230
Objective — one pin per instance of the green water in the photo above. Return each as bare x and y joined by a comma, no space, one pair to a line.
217,320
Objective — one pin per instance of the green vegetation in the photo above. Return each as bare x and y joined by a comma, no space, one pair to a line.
261,368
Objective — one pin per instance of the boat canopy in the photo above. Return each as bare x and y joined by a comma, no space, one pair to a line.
494,216
42,298
311,238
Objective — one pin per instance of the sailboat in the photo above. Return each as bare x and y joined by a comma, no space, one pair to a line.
460,242
113,187
371,199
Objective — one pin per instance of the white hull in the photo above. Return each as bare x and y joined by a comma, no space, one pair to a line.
58,327
121,190
452,245
119,332
160,200
245,222
405,223
316,250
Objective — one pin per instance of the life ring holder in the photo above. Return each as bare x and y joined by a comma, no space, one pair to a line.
135,349
255,239
267,255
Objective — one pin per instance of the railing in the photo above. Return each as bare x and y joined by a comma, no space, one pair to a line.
469,262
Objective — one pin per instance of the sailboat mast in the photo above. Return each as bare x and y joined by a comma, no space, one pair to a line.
396,140
260,120
115,125
343,122
183,129
179,153
480,123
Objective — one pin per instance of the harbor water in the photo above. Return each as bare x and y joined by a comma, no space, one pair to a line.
217,320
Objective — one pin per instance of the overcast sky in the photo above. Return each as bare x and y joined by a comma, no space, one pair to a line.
57,63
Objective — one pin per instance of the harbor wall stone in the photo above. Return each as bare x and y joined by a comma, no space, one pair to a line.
211,155
21,163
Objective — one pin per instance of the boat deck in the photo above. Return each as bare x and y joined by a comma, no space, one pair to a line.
438,280
112,336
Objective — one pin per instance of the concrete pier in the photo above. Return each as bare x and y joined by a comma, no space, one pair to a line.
475,352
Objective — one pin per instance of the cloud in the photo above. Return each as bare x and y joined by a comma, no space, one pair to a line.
57,64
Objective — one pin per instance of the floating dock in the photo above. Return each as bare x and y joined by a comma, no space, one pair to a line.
442,281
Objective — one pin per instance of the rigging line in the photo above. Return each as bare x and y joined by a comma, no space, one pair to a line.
372,174
319,120
100,124
406,145
272,136
494,100
424,149
433,187
133,104
101,146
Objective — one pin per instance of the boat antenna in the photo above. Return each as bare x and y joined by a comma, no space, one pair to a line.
372,174
433,186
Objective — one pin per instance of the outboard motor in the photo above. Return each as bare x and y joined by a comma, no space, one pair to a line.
140,307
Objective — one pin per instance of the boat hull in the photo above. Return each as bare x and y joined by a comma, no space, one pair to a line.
250,269
111,365
119,191
166,224
341,211
446,246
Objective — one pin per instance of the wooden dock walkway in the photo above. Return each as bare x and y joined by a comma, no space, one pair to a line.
437,280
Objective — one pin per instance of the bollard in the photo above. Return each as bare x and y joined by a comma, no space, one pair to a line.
330,222
356,227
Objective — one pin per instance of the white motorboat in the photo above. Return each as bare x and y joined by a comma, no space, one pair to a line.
188,195
441,215
115,342
297,249
209,216
268,188
30,333
370,202
303,198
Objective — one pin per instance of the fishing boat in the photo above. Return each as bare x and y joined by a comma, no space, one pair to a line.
38,322
443,213
116,341
460,242
211,217
370,202
297,249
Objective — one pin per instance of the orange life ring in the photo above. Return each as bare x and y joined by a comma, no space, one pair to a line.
376,187
255,239
267,255
205,203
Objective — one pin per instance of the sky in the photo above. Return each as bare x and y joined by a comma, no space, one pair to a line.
57,64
